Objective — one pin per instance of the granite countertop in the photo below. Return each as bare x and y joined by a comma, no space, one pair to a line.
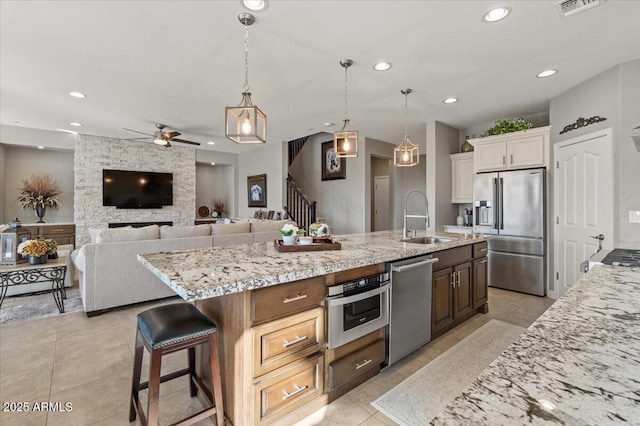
211,272
581,355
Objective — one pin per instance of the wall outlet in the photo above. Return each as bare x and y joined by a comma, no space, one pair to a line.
634,216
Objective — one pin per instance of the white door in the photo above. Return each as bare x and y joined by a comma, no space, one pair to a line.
381,208
583,203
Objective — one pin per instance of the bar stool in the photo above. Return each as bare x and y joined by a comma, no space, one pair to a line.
164,330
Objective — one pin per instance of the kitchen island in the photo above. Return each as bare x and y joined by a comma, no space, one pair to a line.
270,309
578,364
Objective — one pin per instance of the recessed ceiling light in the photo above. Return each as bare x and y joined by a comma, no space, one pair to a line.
497,14
450,100
211,143
77,95
255,5
382,66
67,131
213,164
546,73
75,124
328,124
40,147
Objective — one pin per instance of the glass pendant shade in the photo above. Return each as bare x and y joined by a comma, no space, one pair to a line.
246,123
406,154
345,142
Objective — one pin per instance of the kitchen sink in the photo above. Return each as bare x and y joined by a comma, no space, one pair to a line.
428,240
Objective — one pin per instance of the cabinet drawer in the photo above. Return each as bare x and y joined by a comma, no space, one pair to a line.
280,342
480,249
351,366
452,257
285,299
52,231
288,389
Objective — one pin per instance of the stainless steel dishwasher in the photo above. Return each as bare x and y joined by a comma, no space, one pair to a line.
410,311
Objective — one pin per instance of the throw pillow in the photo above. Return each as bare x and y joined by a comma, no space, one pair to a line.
116,235
230,228
184,231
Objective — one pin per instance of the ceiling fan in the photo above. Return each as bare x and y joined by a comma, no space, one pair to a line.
162,138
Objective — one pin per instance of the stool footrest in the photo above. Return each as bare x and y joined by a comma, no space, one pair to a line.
180,373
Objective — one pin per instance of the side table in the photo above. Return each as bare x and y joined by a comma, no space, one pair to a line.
54,270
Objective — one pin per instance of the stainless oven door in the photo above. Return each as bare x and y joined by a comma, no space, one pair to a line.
339,334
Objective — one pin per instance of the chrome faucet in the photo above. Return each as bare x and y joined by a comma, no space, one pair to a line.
425,216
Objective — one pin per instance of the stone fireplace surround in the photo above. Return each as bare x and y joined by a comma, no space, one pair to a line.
93,154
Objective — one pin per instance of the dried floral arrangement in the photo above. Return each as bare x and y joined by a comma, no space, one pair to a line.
218,206
35,248
52,246
39,190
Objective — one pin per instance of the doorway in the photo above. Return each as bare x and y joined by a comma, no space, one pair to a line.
381,203
583,203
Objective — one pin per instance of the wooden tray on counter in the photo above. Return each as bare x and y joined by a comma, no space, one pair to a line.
317,245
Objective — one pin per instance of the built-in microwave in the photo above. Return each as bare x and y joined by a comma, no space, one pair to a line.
356,308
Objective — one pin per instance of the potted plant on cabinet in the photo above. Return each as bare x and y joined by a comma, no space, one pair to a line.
39,192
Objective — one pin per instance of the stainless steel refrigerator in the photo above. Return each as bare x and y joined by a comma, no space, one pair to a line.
510,208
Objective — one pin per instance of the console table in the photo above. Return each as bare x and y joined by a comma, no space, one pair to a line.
54,270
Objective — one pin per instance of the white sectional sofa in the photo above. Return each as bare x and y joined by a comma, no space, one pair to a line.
111,276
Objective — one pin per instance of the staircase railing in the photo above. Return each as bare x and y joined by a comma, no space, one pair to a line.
295,146
299,207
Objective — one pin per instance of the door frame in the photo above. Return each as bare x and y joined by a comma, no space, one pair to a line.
373,199
608,135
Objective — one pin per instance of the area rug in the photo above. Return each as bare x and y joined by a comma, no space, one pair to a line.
419,398
26,308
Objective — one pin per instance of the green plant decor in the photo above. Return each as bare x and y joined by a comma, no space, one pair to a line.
508,126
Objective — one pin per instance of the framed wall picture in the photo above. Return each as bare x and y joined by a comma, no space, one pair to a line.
270,214
332,166
257,190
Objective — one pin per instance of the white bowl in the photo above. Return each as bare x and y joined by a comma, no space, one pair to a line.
305,240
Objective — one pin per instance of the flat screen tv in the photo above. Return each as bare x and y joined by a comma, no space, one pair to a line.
127,189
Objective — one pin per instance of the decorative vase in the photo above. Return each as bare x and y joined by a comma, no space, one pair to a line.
43,258
53,255
40,212
289,239
34,260
466,146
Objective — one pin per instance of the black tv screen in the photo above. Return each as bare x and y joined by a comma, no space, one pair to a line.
136,190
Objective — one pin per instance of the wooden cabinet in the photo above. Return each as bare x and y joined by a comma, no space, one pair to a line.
511,151
286,299
62,234
462,171
459,289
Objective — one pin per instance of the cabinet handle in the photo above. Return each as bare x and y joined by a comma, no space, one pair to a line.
504,160
286,343
294,299
458,274
453,279
288,395
483,261
365,362
484,249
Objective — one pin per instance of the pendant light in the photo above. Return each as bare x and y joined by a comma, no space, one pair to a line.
246,123
345,140
406,154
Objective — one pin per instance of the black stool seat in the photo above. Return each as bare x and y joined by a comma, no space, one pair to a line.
167,329
171,324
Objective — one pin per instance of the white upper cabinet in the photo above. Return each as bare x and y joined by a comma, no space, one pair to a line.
517,150
462,177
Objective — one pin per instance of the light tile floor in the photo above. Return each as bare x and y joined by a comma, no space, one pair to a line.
87,362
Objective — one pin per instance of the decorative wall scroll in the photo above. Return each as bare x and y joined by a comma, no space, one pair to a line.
582,122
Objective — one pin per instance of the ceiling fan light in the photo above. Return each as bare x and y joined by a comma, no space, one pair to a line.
246,123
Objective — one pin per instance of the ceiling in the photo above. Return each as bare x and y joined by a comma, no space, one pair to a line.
181,62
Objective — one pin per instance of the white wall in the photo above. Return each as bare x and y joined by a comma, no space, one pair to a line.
269,160
3,169
19,164
376,150
215,183
614,94
442,141
224,159
93,154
